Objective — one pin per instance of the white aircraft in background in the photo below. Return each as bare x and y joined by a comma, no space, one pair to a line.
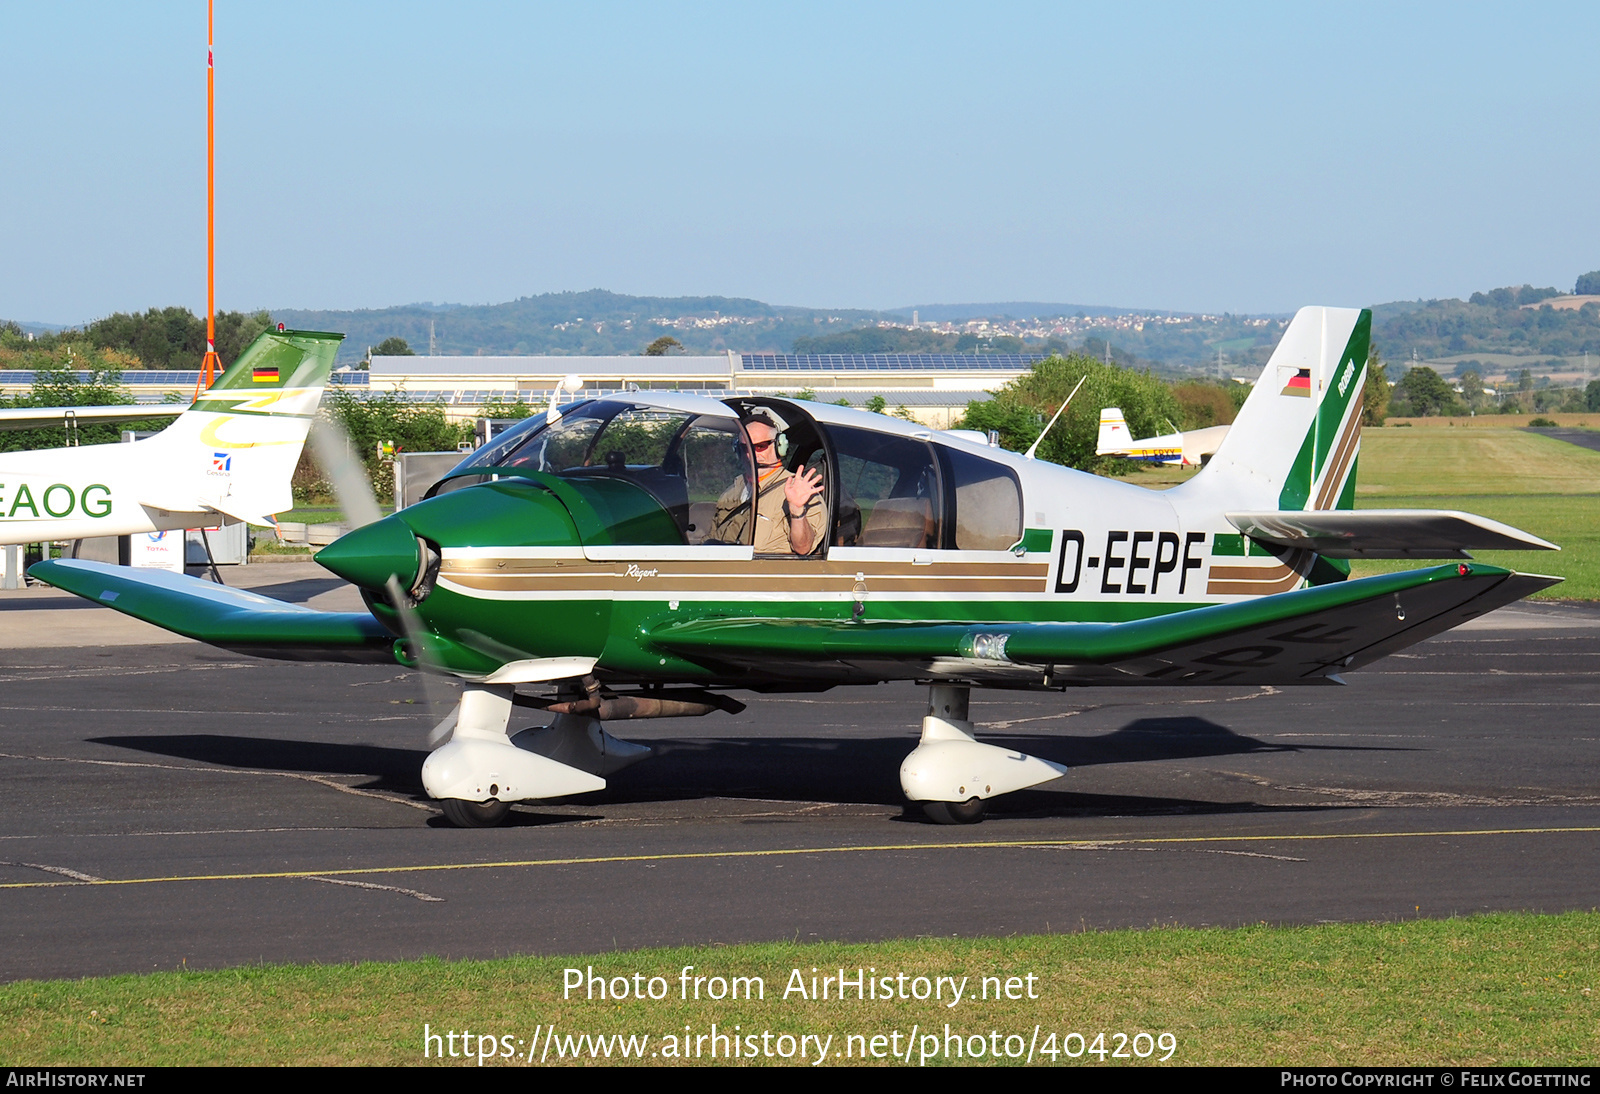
41,417
1186,449
229,456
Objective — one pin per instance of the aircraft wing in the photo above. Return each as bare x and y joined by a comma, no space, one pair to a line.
1386,533
38,417
234,619
1301,637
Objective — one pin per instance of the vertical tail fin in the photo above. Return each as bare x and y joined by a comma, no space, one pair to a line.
1115,440
1295,441
236,448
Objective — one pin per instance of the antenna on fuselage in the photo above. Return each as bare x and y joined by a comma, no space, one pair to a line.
569,382
1034,447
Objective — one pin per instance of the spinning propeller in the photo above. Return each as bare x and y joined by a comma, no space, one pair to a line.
372,562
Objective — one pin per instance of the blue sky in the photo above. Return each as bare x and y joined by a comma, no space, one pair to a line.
1249,158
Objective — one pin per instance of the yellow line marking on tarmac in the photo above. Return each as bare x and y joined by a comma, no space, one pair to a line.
680,856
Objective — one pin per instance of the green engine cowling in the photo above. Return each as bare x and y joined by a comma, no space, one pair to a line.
395,562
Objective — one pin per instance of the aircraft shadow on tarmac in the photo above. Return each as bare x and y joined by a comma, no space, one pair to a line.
800,769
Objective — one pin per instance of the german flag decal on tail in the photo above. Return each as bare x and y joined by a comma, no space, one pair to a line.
264,375
1299,384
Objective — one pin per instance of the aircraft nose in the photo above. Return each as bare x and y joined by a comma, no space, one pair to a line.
374,554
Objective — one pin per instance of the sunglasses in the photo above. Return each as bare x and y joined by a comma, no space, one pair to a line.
761,446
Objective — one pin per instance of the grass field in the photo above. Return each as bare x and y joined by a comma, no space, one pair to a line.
1506,989
1580,420
1478,462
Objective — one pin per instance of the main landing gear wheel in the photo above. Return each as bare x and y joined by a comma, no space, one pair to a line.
967,812
465,814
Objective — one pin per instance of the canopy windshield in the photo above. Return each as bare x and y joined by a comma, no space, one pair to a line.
614,449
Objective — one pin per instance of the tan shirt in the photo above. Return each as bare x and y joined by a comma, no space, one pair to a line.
772,527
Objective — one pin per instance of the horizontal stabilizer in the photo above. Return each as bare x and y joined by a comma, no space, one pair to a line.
234,619
1386,533
1300,637
240,510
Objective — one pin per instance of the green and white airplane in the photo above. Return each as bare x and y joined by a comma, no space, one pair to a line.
229,455
603,555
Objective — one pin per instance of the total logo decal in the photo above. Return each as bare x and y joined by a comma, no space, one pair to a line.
56,500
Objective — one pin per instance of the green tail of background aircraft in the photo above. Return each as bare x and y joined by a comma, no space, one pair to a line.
614,559
230,455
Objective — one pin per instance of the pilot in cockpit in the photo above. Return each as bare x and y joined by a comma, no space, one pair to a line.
791,516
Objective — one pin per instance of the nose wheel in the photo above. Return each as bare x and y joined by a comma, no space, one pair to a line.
968,812
465,814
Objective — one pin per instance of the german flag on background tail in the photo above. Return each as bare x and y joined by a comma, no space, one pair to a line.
1299,384
264,375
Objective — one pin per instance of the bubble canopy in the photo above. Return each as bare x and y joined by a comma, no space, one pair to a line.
671,466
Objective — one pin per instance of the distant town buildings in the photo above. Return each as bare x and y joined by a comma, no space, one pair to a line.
933,388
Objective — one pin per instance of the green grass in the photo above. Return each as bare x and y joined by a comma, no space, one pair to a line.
1440,462
1504,989
273,547
1572,521
313,514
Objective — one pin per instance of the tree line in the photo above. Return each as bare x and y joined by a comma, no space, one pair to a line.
1498,321
160,338
1020,410
1423,393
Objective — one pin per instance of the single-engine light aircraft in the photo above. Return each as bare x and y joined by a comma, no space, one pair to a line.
636,556
229,455
1189,448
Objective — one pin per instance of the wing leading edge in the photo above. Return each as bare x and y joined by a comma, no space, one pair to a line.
1301,637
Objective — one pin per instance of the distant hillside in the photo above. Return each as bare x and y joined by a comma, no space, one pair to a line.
599,322
593,322
1496,321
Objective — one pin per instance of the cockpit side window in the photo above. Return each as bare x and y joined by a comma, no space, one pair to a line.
986,499
716,467
889,490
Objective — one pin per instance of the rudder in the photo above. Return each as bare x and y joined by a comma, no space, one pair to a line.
241,439
1114,439
1295,441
